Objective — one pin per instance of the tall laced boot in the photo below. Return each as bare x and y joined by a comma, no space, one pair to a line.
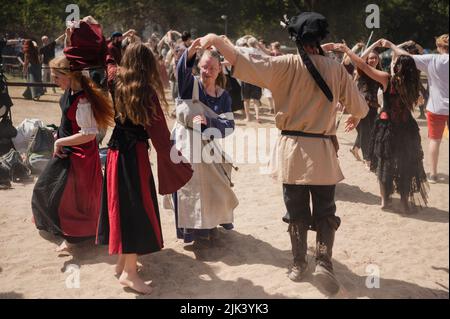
299,234
324,274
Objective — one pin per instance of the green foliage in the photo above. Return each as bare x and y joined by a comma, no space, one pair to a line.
401,20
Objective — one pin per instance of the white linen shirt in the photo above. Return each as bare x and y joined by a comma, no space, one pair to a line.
85,118
436,68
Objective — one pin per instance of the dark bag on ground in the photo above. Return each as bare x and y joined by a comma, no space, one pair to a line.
5,178
7,132
13,162
40,150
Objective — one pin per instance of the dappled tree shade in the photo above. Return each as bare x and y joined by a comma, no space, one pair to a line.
400,19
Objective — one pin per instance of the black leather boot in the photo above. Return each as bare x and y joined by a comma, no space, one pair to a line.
299,235
324,275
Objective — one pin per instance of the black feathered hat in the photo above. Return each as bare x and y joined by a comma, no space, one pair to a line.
310,28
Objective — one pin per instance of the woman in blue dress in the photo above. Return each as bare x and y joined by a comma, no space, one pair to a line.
196,219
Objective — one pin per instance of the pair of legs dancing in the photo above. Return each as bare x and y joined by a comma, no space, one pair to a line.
322,220
127,269
257,104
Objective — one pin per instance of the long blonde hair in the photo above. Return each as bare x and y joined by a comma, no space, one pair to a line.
100,103
138,85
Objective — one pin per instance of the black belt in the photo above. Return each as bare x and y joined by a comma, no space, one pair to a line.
304,134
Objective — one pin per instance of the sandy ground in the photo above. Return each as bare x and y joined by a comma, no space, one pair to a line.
410,253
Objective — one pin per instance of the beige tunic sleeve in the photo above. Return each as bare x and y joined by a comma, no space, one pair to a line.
350,96
261,70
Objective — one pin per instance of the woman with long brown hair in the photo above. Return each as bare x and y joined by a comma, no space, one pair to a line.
129,219
395,150
66,197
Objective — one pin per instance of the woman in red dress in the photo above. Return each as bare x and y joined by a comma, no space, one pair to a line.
129,219
66,197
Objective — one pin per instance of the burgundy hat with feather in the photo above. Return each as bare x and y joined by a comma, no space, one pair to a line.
87,47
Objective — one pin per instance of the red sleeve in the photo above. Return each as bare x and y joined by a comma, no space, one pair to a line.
111,70
171,176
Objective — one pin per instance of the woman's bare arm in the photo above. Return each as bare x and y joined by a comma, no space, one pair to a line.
222,44
377,75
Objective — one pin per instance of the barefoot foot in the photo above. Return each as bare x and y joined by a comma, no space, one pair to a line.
65,249
134,282
121,265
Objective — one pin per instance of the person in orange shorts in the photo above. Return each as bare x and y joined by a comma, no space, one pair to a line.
436,128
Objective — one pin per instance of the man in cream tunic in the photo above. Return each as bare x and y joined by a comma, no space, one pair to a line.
305,158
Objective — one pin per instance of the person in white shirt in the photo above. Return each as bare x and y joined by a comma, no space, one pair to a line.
437,69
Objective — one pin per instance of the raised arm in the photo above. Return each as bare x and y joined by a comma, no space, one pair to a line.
397,51
346,59
257,69
410,43
130,32
67,41
60,38
222,44
327,47
185,77
264,49
377,75
367,51
161,43
172,32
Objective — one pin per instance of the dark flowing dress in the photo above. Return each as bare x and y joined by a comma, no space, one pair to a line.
396,152
66,197
369,89
129,219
